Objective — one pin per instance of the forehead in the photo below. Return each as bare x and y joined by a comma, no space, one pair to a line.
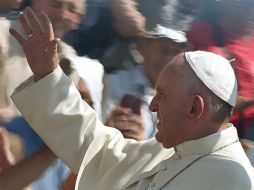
172,72
167,77
78,3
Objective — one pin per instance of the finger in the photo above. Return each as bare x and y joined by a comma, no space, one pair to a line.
33,21
52,49
127,111
131,127
46,25
136,121
3,135
21,40
136,118
24,24
53,45
118,125
129,134
121,111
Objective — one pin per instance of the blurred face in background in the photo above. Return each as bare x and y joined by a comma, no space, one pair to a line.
157,53
7,5
65,15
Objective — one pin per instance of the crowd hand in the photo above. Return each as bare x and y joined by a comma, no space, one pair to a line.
6,157
130,125
39,45
6,115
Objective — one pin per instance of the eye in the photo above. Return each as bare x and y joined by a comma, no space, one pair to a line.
72,8
56,4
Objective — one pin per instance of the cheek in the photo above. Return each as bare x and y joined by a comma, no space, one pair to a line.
169,117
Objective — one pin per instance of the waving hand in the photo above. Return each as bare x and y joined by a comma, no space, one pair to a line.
39,45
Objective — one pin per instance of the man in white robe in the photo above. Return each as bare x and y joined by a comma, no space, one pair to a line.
195,146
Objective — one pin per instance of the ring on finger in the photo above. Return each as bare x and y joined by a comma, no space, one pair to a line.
30,35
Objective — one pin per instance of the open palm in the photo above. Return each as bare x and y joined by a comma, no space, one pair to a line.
40,45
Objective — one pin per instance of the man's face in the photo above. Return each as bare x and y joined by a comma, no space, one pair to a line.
170,104
65,15
157,53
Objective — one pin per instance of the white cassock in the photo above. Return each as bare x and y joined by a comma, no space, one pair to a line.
104,160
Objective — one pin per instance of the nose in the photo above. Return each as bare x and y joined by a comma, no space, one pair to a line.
153,105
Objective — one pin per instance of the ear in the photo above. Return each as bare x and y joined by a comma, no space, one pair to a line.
197,108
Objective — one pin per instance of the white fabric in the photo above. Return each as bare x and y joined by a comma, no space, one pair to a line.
92,72
121,82
15,67
164,32
105,160
216,73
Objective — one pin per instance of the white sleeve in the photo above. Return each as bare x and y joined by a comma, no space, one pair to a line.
55,110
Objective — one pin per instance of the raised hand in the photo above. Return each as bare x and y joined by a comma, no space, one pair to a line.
39,45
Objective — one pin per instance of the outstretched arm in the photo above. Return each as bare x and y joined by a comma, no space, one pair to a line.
40,45
66,123
27,170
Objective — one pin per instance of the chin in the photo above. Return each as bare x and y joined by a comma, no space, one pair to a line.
158,137
167,146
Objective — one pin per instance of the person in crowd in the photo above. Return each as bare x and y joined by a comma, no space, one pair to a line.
64,15
154,50
130,56
195,147
132,19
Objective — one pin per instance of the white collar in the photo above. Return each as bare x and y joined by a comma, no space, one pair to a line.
208,144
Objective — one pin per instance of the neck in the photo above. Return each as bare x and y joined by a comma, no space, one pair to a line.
211,129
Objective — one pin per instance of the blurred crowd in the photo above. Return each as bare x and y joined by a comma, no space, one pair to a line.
114,50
